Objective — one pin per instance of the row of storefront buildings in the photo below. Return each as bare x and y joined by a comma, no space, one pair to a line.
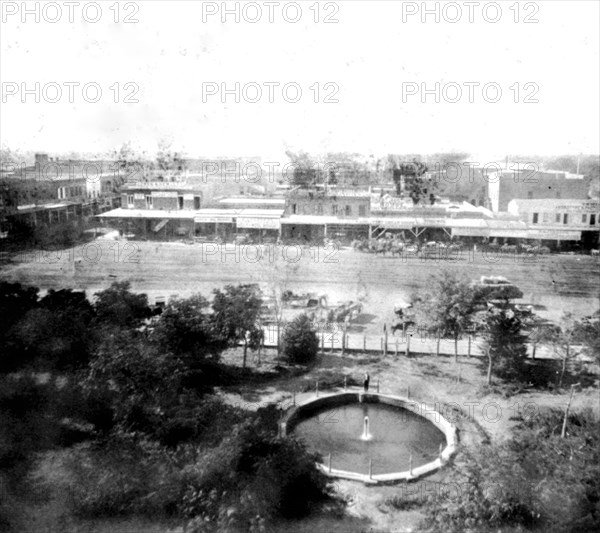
158,210
554,208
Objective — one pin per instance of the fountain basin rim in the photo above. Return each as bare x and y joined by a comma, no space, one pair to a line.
308,407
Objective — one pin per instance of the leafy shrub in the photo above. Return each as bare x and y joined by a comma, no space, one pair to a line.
251,472
300,342
255,473
122,475
535,480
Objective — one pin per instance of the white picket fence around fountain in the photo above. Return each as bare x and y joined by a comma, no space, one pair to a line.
421,408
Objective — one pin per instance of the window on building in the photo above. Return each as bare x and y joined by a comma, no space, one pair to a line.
545,218
530,195
334,209
557,218
565,218
584,218
348,210
196,202
149,201
294,209
130,200
362,211
592,220
535,218
319,209
180,202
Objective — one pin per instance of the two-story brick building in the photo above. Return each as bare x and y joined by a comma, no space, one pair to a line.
165,210
53,191
317,213
161,195
532,184
493,187
560,220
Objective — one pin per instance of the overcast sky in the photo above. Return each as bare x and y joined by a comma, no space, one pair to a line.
368,55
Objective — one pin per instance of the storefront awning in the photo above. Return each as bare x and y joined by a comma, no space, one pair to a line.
554,235
258,223
212,219
470,232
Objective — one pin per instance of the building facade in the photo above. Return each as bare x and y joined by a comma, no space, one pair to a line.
560,220
53,191
523,184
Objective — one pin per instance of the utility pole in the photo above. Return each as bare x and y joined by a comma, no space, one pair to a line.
564,426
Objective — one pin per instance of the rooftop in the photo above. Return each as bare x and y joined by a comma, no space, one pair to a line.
159,186
253,200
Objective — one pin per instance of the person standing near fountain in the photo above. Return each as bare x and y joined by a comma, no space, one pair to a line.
366,382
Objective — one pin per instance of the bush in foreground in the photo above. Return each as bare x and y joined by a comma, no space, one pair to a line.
221,488
300,342
537,481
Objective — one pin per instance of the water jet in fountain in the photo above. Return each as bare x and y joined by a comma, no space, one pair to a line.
400,434
366,435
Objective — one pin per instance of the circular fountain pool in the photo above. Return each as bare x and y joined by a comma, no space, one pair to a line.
375,437
394,436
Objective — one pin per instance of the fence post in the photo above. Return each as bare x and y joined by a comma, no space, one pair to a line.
343,343
370,468
396,351
332,341
469,349
377,385
322,342
410,465
381,343
408,345
345,383
437,349
294,397
364,343
317,389
385,342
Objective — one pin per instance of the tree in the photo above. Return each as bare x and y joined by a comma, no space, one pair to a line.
505,344
138,380
279,275
561,340
185,327
409,177
236,315
15,302
56,332
533,481
9,158
448,306
118,306
305,172
129,164
166,159
589,335
300,341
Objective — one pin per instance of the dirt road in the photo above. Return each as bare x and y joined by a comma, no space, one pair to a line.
553,283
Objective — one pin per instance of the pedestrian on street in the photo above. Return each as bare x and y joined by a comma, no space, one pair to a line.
366,382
